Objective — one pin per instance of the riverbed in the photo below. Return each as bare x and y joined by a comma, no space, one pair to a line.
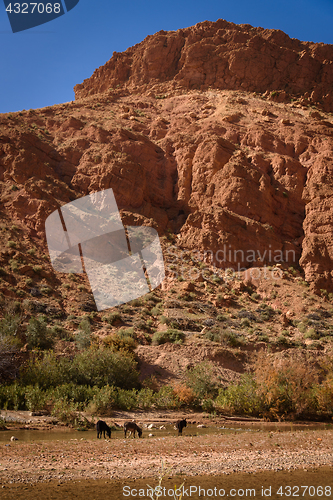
306,484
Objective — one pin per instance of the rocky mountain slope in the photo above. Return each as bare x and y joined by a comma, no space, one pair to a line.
225,169
221,55
220,137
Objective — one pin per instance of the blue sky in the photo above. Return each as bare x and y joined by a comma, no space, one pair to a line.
39,67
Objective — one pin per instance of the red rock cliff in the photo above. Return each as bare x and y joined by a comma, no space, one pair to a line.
221,55
227,170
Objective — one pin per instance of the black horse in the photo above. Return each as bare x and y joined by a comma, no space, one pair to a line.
102,427
133,428
180,424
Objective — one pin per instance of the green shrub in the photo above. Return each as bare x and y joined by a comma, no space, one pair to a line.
263,337
276,389
255,296
202,381
221,317
245,323
266,312
145,312
13,265
83,336
104,400
282,340
108,398
156,311
323,392
302,326
208,405
121,341
8,364
142,325
214,335
145,398
232,339
35,398
216,278
39,335
167,398
311,334
135,303
91,367
125,333
81,394
163,320
61,333
10,324
127,399
153,299
46,371
113,318
66,411
12,397
170,335
104,366
240,398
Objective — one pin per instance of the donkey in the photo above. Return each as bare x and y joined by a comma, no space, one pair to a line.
180,424
133,428
102,427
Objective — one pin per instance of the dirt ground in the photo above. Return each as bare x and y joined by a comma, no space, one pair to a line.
213,454
256,485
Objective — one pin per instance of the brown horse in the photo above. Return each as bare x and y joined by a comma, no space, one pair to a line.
180,424
102,427
133,428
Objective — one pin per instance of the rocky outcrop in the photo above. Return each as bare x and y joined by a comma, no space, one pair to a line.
243,179
317,256
221,55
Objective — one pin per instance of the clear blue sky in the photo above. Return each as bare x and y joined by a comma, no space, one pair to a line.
39,67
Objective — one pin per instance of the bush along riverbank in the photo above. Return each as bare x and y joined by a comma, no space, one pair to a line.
100,380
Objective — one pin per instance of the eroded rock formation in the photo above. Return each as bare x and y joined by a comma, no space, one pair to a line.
197,145
221,55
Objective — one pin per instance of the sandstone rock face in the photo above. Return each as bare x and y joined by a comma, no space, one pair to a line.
317,253
242,179
221,55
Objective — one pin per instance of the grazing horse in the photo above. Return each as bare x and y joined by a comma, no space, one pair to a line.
102,427
133,428
180,424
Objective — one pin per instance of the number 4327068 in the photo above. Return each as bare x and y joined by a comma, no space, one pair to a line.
34,8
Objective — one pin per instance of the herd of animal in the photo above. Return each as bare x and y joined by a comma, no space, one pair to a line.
131,427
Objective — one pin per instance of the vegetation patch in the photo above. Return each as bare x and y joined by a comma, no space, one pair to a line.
170,335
